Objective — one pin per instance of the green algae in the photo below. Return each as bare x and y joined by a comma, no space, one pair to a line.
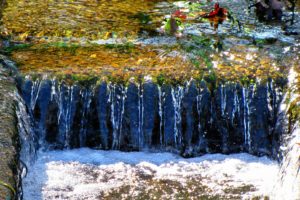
194,57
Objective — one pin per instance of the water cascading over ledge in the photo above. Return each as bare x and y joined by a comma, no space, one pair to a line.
190,119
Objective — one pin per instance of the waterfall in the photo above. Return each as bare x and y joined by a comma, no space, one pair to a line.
177,95
111,99
65,102
117,96
223,99
160,112
236,106
141,117
28,142
202,139
189,118
35,93
86,98
288,183
69,109
199,98
26,136
246,118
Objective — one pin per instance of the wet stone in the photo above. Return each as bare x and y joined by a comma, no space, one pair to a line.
8,136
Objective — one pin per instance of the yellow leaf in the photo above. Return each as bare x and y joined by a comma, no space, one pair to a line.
93,56
23,36
68,33
107,35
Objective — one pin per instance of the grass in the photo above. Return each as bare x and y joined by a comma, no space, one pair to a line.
121,48
17,47
8,186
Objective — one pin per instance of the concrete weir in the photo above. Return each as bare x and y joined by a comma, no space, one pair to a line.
8,135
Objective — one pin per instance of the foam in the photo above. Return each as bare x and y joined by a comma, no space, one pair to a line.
85,173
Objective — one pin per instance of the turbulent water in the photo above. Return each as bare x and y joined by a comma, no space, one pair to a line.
96,174
288,180
288,183
147,117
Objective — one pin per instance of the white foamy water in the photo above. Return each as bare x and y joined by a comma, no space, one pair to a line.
288,183
95,174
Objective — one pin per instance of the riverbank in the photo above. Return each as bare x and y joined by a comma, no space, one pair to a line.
8,136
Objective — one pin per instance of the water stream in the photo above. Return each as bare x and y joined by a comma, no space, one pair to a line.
208,139
178,120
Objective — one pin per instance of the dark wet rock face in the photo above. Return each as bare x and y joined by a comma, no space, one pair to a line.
103,114
190,119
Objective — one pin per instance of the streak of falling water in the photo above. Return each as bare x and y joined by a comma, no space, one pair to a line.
124,96
28,141
247,112
245,118
86,96
111,91
199,99
141,116
177,95
273,94
53,89
111,100
288,180
117,108
68,117
287,186
65,102
223,99
271,104
35,90
160,112
236,106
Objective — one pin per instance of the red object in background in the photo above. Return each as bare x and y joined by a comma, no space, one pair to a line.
179,14
218,11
